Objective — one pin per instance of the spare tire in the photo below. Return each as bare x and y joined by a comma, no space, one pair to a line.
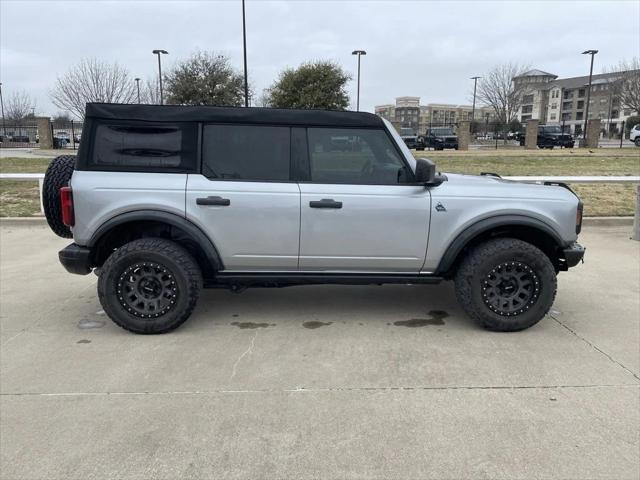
58,175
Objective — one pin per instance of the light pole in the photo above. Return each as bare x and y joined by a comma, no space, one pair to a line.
586,113
138,87
160,52
359,53
4,128
473,108
244,47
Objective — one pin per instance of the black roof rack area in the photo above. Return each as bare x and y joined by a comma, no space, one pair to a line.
244,115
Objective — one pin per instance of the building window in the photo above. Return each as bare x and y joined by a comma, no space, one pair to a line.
567,105
581,93
526,118
579,115
527,109
568,94
566,116
554,105
580,105
627,112
615,114
552,116
527,99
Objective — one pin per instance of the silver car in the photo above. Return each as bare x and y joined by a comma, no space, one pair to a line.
162,201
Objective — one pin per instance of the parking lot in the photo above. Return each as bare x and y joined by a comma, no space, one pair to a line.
318,381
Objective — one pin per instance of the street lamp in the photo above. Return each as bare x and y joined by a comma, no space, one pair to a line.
4,128
138,87
160,52
473,109
586,114
244,47
359,53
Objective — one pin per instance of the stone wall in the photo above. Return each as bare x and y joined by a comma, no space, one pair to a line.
593,133
45,137
531,135
464,134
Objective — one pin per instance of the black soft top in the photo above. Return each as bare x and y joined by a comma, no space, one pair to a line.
253,115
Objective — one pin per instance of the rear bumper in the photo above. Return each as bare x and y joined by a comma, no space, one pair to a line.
76,259
573,254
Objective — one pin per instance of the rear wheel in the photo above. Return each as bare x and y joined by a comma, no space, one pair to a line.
637,141
506,284
150,285
58,175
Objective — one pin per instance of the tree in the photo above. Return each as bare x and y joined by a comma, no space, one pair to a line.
62,117
319,84
629,83
19,106
497,90
205,79
92,81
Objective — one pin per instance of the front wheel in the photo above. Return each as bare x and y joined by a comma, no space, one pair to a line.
150,285
637,141
506,284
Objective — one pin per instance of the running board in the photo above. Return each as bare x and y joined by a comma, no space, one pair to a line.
288,279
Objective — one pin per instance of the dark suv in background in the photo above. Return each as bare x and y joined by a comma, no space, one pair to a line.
440,138
550,136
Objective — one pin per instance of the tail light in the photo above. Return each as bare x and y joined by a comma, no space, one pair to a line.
66,206
579,216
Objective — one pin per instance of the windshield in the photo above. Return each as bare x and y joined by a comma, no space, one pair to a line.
554,129
442,131
401,145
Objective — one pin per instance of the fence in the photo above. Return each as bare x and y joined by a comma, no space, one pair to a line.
39,177
65,134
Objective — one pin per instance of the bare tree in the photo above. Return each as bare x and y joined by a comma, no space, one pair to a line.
19,106
497,90
629,83
150,92
92,81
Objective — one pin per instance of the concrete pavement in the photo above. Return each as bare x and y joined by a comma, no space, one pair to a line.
318,382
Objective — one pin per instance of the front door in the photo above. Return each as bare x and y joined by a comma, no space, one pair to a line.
358,211
244,199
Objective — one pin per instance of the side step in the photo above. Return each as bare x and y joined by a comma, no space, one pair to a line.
288,279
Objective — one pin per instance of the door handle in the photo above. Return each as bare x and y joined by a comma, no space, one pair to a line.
325,203
219,201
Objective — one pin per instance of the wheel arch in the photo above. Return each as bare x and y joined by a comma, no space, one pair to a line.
528,229
129,226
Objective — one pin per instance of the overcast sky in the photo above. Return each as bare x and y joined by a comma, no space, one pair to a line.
423,48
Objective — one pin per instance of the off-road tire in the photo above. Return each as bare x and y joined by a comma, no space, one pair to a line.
181,275
57,176
485,258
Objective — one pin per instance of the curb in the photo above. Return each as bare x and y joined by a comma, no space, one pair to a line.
608,221
22,221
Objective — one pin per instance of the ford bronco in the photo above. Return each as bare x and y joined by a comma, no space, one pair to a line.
162,201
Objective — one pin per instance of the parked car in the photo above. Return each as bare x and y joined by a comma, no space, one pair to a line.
20,139
413,142
162,201
63,136
550,136
634,134
440,138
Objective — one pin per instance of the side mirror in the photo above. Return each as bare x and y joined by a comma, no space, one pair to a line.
425,171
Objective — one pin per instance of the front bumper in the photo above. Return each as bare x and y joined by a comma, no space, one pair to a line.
573,254
76,259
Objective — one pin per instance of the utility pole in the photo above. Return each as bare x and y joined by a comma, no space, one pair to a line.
4,128
244,46
359,53
586,115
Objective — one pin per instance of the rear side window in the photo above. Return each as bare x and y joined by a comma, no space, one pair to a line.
146,147
246,152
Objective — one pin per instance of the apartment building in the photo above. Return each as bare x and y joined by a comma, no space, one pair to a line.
563,101
407,113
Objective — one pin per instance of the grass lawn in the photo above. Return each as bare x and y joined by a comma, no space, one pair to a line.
21,198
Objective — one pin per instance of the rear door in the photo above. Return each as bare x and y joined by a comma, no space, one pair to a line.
244,198
360,212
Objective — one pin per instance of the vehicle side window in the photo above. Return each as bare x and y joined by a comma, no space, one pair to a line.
354,156
246,152
145,147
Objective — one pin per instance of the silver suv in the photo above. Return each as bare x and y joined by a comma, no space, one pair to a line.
162,201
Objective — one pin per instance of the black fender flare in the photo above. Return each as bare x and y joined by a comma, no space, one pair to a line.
487,224
209,249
